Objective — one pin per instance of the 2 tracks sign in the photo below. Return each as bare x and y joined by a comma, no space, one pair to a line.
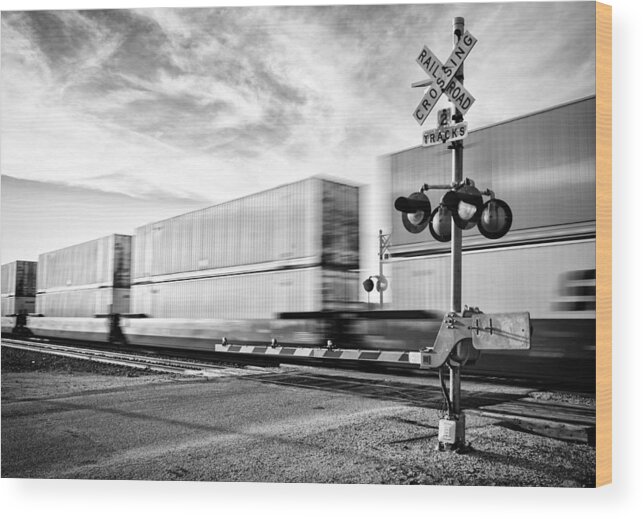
444,132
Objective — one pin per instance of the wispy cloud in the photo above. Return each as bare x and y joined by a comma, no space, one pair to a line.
217,103
285,90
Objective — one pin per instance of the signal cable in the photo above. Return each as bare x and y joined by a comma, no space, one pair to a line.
445,393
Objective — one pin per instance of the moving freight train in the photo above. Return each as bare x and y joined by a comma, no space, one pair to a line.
283,264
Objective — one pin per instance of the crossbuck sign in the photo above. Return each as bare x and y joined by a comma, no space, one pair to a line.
445,80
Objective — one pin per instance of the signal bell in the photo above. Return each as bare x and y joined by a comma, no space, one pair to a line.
416,211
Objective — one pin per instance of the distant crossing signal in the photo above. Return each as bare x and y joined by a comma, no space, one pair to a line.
382,284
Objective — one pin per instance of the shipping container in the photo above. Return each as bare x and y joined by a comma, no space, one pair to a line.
251,295
19,287
85,279
18,305
7,324
83,302
311,222
543,165
104,262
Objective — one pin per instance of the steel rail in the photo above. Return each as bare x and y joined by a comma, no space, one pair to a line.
258,357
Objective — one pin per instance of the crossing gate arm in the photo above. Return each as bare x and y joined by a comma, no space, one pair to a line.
502,331
410,359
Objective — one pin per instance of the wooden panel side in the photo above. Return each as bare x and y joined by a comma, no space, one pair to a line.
603,244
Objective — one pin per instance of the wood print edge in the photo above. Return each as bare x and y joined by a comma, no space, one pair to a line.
603,244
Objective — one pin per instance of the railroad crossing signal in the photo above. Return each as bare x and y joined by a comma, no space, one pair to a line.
462,204
444,80
381,285
460,208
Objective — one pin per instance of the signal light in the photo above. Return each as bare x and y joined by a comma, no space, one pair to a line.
368,285
440,223
462,204
495,219
465,205
416,210
382,284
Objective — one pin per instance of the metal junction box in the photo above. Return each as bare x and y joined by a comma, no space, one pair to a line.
451,431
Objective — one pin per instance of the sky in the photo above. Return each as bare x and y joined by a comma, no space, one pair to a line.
112,119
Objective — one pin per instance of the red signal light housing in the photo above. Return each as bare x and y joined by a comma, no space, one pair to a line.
440,223
495,219
465,204
416,211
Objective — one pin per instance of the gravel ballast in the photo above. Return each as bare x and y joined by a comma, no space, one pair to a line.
15,360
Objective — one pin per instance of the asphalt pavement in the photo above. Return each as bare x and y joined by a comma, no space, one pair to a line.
261,427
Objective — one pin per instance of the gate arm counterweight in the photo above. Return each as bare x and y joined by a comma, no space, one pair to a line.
506,331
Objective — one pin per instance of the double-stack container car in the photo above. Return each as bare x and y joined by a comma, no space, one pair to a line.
86,279
228,270
231,269
294,248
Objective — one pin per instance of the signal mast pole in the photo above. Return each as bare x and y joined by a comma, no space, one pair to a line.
381,266
456,232
456,177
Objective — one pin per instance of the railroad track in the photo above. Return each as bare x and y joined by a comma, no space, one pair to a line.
552,419
165,365
560,420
